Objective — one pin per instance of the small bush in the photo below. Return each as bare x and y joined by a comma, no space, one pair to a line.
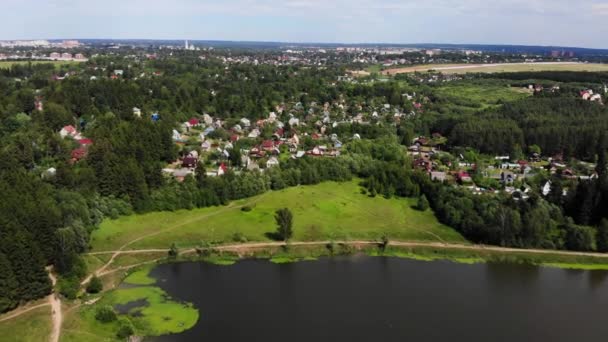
125,328
423,203
69,287
105,314
95,285
239,237
246,208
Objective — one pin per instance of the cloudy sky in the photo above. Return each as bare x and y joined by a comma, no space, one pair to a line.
581,23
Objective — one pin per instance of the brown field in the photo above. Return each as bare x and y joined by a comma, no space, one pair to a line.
492,68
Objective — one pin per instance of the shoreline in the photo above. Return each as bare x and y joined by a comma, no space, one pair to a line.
446,251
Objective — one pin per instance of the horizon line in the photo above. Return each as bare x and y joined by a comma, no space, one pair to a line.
308,42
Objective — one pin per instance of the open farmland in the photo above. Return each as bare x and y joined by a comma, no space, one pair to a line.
506,67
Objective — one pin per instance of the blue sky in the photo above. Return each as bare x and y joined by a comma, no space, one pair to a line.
581,23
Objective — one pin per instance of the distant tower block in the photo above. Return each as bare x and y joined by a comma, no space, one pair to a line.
186,45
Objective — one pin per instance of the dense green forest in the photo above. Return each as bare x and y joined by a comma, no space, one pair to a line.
46,217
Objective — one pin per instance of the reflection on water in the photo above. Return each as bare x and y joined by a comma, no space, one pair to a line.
388,299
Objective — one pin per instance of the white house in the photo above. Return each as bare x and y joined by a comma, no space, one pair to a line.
207,119
137,112
547,188
294,122
245,122
272,162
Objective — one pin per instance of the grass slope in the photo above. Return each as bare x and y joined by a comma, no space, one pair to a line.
325,211
33,326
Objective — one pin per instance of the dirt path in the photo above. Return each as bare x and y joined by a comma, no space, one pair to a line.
22,310
56,314
237,247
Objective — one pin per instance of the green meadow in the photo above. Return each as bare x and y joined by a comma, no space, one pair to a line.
321,212
33,326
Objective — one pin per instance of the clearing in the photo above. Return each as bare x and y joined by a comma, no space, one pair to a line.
502,67
321,212
32,326
57,64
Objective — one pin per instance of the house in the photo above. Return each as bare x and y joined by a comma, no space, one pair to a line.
256,152
507,177
272,162
294,122
68,131
438,176
252,166
464,177
194,122
546,190
207,119
137,112
49,173
176,136
208,130
206,146
189,162
268,146
254,133
79,154
245,122
222,169
272,117
85,142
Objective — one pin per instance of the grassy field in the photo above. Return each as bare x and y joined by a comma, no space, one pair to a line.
485,95
492,68
8,64
325,211
33,326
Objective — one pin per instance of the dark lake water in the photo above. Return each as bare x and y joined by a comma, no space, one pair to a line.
388,299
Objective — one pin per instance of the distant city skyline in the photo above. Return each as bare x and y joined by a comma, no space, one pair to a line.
510,22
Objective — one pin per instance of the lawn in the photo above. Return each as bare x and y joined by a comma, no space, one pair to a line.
321,212
8,64
32,326
492,68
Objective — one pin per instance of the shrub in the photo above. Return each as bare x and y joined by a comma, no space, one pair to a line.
246,208
423,203
69,287
125,328
95,285
105,314
239,237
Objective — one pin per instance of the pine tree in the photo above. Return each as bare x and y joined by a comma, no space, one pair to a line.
8,285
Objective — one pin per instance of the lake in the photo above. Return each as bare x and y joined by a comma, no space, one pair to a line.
361,298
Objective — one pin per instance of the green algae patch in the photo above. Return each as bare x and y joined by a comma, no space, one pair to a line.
221,260
140,277
153,312
569,266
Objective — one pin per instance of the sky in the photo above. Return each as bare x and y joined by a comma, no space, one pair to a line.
580,23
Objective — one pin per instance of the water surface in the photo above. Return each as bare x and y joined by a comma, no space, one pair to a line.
388,299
